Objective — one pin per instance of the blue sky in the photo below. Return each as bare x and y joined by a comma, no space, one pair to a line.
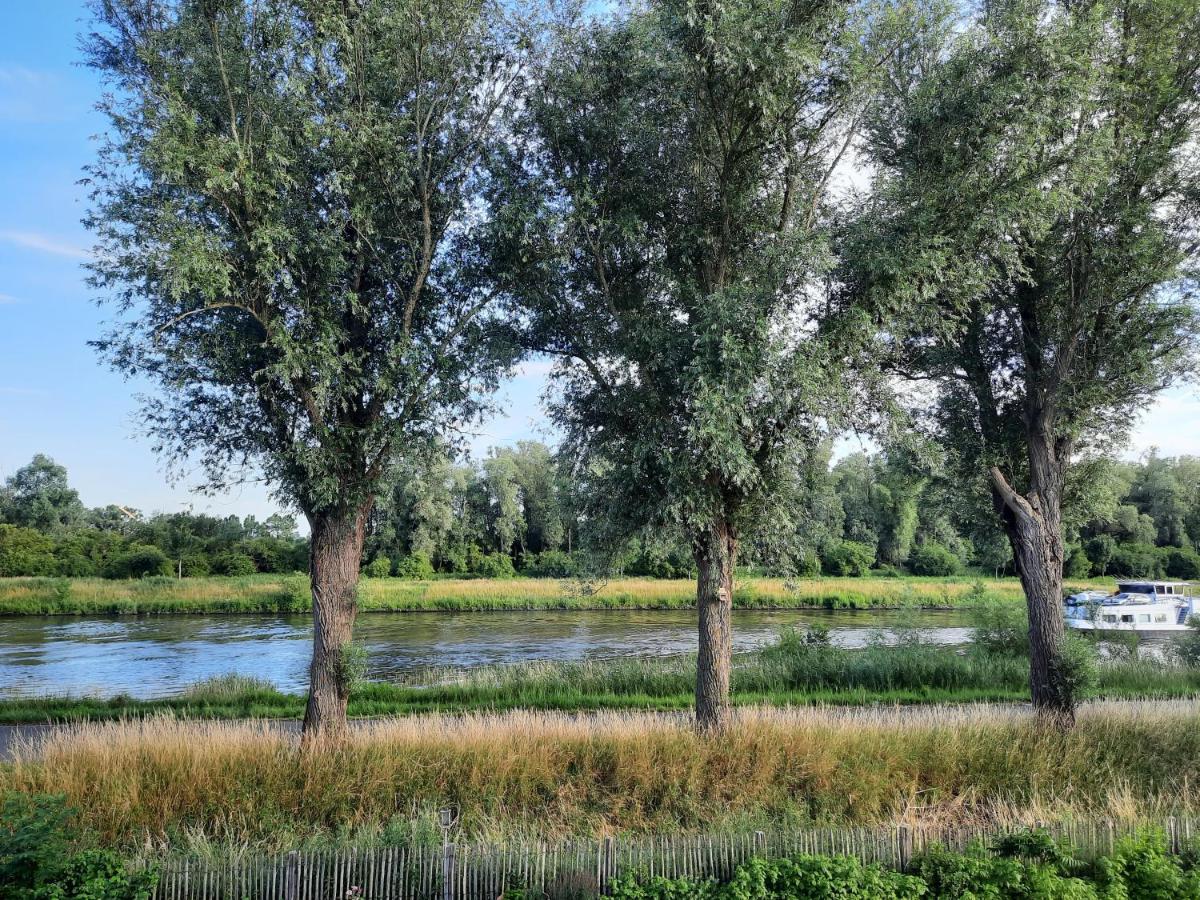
54,396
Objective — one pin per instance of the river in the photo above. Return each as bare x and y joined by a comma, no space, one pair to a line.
160,656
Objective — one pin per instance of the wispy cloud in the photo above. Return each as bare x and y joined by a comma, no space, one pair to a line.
9,300
32,240
11,74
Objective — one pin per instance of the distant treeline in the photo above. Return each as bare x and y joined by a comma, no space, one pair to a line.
523,510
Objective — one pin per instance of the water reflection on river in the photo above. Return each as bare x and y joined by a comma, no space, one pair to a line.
160,656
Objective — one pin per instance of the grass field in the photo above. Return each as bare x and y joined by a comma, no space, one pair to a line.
274,594
785,674
162,783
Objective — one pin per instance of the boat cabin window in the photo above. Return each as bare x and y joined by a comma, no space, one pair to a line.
1127,618
1161,617
1110,618
1144,617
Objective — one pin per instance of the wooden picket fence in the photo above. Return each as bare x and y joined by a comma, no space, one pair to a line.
576,868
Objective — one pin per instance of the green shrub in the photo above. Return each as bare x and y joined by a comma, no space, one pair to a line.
1001,627
1137,561
234,564
1141,869
196,565
38,860
379,567
1183,563
139,561
1080,662
932,559
24,551
1186,647
417,565
494,565
550,564
1077,565
848,558
76,565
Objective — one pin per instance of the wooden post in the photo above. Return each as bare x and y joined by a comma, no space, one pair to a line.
904,844
607,865
448,873
760,843
291,877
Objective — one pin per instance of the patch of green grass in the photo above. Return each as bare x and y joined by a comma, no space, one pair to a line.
793,671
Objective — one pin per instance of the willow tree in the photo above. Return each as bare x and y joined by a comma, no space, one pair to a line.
1031,243
684,151
286,207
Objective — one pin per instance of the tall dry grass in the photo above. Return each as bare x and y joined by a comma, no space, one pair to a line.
160,783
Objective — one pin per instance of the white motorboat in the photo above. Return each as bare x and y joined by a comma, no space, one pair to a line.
1140,606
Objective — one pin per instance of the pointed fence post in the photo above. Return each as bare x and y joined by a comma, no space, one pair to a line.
904,845
760,843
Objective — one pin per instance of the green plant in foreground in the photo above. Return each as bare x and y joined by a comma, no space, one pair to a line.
1027,865
38,862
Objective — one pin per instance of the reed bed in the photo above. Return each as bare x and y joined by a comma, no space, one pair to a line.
282,594
160,783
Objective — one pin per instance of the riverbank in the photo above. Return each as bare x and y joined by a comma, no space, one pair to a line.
789,673
285,594
169,784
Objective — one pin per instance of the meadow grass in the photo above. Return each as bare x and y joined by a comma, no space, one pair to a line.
786,673
283,594
160,783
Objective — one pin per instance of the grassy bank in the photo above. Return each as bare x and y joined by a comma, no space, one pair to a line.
161,783
279,594
788,673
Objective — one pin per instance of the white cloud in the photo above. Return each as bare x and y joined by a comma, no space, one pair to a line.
32,240
23,76
1172,425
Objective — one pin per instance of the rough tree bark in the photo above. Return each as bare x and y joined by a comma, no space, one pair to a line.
1033,523
715,553
336,550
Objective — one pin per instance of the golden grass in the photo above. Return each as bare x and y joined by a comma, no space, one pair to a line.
290,593
161,782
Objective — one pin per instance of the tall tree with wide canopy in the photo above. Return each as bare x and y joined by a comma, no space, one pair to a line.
285,208
685,150
1030,245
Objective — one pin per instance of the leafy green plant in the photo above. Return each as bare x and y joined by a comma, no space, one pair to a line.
38,861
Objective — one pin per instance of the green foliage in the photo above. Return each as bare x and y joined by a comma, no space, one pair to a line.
1137,561
234,565
138,561
933,559
1000,627
38,496
494,565
1078,665
293,242
414,565
38,860
550,564
379,567
24,551
1141,868
847,558
1183,564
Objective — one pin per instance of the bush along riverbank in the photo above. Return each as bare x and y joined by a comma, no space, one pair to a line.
290,594
799,668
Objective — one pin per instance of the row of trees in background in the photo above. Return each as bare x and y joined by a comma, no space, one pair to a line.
518,512
45,529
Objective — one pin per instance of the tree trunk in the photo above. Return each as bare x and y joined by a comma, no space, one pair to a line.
715,554
336,550
1033,523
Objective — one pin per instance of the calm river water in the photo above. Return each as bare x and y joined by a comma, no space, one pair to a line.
160,656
